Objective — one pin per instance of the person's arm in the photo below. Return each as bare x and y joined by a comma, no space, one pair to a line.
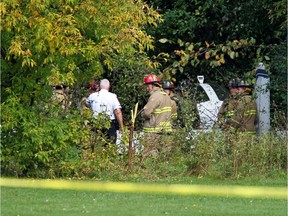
222,121
119,116
149,108
88,102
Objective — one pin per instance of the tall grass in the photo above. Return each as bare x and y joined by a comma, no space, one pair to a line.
236,155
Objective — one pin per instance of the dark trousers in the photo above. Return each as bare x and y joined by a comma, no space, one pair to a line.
111,133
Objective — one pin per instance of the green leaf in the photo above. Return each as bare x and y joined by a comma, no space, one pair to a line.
232,54
190,47
176,64
180,42
163,40
253,40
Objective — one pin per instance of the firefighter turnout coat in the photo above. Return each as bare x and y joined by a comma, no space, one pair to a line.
157,112
239,112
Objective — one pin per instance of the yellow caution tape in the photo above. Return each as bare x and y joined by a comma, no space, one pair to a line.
204,190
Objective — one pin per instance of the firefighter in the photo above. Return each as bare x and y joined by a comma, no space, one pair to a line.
156,114
93,87
238,118
239,112
221,116
168,87
60,97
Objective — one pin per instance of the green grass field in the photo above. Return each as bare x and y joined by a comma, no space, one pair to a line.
47,202
27,201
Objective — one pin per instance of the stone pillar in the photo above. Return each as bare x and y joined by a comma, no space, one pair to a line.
262,94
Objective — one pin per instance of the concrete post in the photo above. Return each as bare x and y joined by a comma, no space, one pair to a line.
262,94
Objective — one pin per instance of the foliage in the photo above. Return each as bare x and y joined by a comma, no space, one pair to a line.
45,43
77,48
219,20
237,155
222,40
278,85
218,32
34,141
214,154
228,154
277,14
214,54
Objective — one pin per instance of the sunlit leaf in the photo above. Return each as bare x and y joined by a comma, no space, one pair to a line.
232,54
207,55
190,47
222,61
163,40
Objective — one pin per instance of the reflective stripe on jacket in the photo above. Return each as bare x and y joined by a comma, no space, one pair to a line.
240,113
157,112
174,109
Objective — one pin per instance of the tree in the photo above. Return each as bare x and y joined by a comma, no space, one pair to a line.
47,43
224,33
221,39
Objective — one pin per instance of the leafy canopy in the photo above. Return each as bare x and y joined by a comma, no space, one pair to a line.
60,40
45,43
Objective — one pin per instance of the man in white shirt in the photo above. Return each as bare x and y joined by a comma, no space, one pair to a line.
108,103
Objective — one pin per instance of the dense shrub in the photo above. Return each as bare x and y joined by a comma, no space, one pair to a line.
35,141
57,144
227,155
278,86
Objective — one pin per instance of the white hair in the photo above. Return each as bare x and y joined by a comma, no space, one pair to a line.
105,84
